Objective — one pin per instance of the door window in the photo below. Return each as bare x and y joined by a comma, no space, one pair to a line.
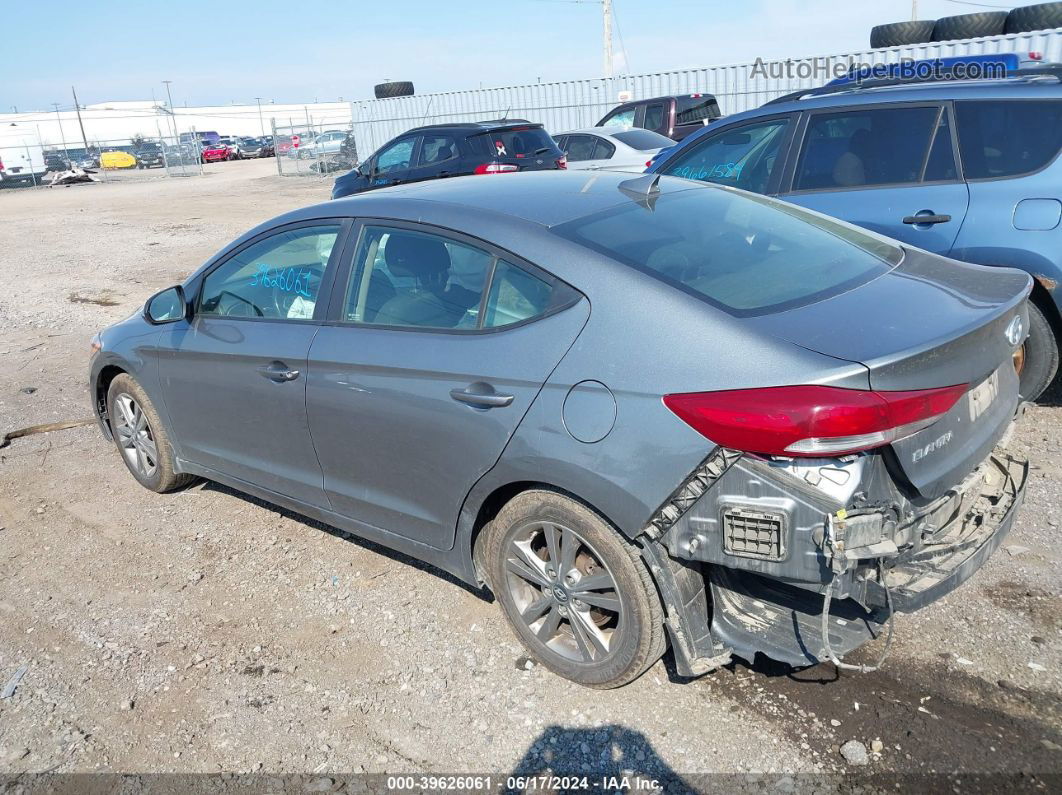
621,118
695,108
654,116
856,148
437,149
580,147
1008,138
278,278
603,149
396,157
742,158
407,278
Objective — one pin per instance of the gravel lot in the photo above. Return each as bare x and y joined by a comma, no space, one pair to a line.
205,631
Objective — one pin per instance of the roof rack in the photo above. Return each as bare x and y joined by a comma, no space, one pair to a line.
1053,70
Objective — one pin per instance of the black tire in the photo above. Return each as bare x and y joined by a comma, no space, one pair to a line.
635,626
402,88
897,34
1041,356
162,478
1042,16
969,26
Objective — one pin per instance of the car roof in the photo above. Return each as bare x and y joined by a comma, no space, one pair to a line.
1025,86
544,198
477,126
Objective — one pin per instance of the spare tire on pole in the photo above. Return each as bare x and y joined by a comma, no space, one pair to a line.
970,26
898,34
398,88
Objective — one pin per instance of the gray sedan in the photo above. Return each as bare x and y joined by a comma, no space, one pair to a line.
644,412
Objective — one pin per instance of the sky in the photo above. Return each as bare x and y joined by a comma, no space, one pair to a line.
295,51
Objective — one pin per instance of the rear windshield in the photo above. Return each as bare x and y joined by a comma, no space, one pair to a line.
642,139
695,107
746,254
516,142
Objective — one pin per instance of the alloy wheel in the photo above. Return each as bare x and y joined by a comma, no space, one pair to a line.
564,592
135,436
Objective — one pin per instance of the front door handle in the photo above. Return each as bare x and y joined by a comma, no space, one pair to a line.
927,219
481,396
279,372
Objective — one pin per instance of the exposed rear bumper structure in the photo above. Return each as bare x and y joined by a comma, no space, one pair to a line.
743,606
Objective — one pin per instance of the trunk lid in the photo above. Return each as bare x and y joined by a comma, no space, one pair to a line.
929,322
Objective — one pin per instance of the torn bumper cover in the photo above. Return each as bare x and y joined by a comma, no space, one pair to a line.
766,595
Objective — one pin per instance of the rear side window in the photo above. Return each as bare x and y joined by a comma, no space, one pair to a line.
515,295
437,149
580,147
748,255
1005,139
695,107
741,158
654,116
851,149
520,142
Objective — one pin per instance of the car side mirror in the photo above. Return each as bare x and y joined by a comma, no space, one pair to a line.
168,306
365,169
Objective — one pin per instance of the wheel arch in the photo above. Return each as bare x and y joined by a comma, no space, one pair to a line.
1043,295
106,375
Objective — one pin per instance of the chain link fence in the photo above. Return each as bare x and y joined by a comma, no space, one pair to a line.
313,150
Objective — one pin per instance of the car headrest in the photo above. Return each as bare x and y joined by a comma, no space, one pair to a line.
413,255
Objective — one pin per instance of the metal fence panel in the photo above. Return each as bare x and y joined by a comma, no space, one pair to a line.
313,150
572,104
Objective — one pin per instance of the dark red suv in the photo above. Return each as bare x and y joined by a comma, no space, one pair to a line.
676,117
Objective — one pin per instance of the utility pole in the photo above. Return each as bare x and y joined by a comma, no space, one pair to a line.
61,133
261,121
606,9
173,117
81,124
914,10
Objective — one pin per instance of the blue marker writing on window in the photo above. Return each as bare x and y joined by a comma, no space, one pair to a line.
290,280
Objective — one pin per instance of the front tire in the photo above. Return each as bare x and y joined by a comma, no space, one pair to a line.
576,594
1039,356
141,438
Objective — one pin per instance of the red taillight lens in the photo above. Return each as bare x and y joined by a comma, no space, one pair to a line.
811,420
562,162
648,163
495,168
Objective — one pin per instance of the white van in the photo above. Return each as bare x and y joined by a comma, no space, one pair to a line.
21,156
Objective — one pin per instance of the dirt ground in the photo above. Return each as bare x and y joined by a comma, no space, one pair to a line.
205,631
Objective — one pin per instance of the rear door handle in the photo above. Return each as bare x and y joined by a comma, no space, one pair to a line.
279,372
478,396
926,219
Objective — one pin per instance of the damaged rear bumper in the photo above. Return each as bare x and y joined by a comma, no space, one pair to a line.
751,606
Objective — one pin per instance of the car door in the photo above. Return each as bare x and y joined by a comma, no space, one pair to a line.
438,347
234,377
891,169
393,164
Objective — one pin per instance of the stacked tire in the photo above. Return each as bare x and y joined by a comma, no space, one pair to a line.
398,88
1042,16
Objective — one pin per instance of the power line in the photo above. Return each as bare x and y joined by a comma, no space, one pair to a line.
978,5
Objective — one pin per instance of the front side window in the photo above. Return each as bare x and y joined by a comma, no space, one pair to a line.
623,118
746,254
742,158
856,148
1008,138
396,157
417,279
278,278
654,116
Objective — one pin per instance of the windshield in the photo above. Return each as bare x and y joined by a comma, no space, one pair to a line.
643,140
746,254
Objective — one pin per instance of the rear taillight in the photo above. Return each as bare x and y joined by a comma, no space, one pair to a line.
648,163
811,420
1,165
562,161
495,168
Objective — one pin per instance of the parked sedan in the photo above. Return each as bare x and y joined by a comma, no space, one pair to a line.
616,149
771,424
216,152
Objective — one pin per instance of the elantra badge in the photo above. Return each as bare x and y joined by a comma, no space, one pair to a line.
1014,330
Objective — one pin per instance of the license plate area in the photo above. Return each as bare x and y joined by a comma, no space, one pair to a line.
982,396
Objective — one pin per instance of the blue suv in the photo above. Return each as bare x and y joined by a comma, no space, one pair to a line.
964,168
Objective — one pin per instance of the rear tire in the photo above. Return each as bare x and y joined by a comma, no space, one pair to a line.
141,438
898,34
577,595
1041,356
970,26
1043,16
